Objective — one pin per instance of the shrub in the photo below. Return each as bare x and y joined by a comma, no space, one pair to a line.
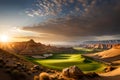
16,75
36,77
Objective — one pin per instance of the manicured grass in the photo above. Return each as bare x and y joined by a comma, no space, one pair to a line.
60,61
83,49
86,50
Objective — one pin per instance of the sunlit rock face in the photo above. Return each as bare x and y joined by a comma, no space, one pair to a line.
72,72
27,48
14,66
103,44
32,48
113,52
117,46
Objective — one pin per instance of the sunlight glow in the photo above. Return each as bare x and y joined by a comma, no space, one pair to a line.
4,38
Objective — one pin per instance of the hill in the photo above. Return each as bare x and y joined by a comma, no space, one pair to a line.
110,57
15,67
103,44
32,48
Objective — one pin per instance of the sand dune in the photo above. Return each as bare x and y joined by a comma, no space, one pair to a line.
115,72
109,53
111,56
113,75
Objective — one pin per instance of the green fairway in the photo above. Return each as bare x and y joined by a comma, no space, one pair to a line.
86,50
60,61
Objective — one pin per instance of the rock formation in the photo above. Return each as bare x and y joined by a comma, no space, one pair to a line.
113,52
110,57
16,67
104,44
70,73
32,48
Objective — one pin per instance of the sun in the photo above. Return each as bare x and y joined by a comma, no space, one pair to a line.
4,38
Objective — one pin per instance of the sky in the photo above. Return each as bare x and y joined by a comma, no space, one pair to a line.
60,21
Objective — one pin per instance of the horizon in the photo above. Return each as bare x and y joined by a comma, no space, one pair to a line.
63,44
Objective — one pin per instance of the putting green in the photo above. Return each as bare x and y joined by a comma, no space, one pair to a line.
60,61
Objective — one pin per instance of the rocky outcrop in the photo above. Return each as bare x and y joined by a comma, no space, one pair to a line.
113,52
99,46
70,73
116,46
109,68
32,48
17,67
104,44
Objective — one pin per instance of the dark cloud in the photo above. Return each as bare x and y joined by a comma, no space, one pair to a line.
100,21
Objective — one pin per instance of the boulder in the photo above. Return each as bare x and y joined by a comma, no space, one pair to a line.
109,68
37,67
65,72
72,72
44,76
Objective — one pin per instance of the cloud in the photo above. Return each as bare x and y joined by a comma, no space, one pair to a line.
56,7
100,21
107,24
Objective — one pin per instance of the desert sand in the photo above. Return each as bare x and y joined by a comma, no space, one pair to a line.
112,57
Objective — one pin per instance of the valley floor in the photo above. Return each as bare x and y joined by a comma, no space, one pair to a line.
61,61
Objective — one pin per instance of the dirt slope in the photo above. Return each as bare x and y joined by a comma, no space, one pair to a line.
111,56
15,67
109,53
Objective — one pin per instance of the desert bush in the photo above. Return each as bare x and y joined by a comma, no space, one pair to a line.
36,77
16,75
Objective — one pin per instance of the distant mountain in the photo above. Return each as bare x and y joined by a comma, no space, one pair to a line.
104,44
113,52
32,48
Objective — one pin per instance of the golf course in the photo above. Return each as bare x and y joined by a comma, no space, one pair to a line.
61,61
